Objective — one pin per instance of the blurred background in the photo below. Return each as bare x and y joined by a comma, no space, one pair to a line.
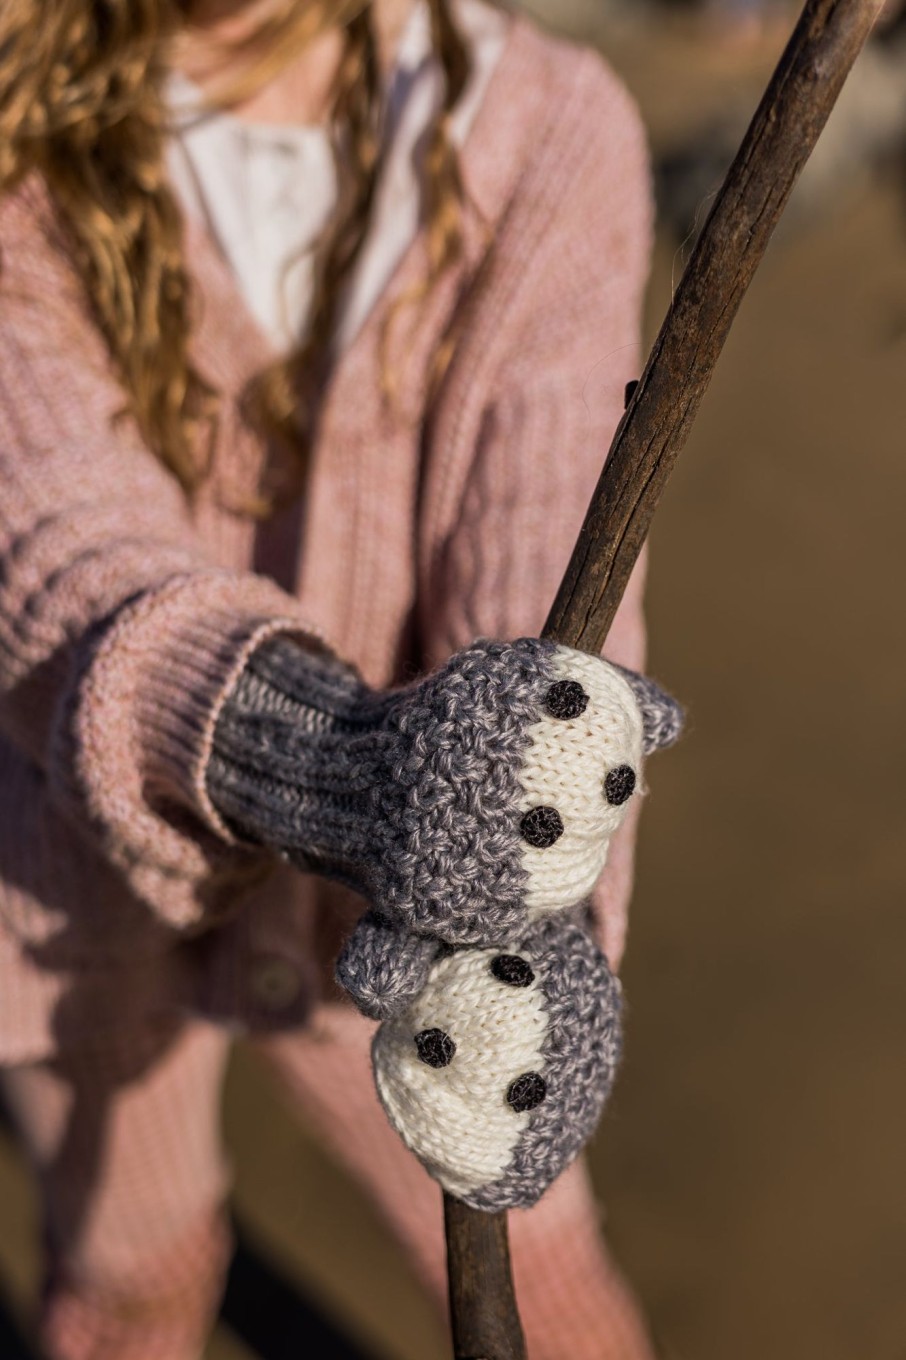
751,1162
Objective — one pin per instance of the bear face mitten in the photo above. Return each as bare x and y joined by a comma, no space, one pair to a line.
495,1071
465,806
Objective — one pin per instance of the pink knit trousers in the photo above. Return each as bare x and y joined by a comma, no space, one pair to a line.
127,1151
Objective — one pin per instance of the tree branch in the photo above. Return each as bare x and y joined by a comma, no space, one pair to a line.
656,425
483,1311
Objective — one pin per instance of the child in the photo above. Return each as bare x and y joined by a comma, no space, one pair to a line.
315,323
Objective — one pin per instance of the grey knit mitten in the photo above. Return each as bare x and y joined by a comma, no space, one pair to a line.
464,806
493,1065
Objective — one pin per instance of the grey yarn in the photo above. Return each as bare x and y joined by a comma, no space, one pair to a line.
581,1054
450,841
295,758
383,967
662,717
408,797
580,1050
414,798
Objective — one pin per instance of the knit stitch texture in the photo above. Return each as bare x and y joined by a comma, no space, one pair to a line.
127,615
409,799
516,1072
461,806
383,967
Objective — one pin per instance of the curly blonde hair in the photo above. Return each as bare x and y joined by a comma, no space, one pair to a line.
81,103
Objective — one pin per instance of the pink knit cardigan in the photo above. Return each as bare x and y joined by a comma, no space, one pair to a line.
125,614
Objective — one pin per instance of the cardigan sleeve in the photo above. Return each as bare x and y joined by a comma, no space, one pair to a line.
552,392
119,638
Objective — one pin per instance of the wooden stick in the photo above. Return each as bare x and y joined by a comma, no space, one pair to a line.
656,425
654,428
483,1313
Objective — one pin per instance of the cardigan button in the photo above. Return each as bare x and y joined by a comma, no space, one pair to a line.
276,983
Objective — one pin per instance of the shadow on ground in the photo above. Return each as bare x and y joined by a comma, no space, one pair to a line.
266,1311
13,1345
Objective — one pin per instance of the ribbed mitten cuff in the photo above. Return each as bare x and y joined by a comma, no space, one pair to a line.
297,757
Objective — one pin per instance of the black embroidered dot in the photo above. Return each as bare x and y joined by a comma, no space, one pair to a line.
526,1092
435,1047
541,826
512,970
566,699
619,785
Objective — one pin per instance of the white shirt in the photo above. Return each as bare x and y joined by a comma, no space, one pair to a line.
266,193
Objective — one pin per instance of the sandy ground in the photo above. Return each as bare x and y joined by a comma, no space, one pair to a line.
752,1160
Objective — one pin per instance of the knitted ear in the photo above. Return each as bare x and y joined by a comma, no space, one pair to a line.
662,717
383,966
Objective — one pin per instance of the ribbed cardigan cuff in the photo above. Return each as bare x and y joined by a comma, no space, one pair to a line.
132,743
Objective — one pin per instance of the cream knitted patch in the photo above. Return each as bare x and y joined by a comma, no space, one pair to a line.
450,1105
565,768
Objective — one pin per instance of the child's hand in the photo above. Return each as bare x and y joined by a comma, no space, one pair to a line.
495,1071
466,806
